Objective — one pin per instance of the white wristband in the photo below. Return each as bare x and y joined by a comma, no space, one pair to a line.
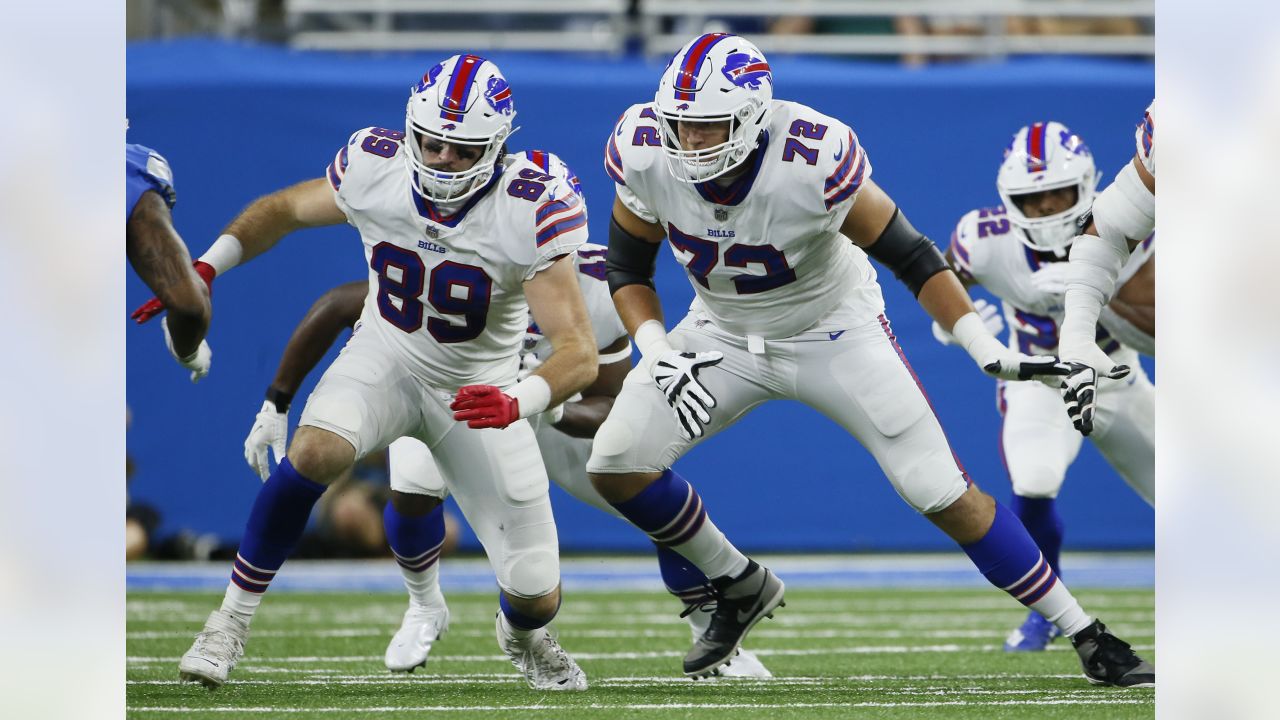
224,253
651,339
972,335
533,395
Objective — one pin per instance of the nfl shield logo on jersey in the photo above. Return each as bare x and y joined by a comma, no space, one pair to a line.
433,231
721,214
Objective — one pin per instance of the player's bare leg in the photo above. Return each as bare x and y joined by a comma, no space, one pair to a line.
275,525
670,511
1004,552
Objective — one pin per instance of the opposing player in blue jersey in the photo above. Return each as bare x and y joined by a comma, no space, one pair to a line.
1018,251
158,255
770,207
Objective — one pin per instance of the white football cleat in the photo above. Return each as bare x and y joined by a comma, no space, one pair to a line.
411,644
743,665
544,664
217,649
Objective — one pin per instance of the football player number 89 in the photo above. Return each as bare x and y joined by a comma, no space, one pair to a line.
454,289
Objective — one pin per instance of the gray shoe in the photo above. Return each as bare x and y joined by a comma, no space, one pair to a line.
740,603
216,650
1108,660
544,664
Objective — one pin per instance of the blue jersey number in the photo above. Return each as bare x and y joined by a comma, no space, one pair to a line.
705,255
455,289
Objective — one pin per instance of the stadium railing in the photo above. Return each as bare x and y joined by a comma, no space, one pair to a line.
580,25
656,16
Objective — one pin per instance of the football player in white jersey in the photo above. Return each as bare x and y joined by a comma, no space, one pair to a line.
760,200
564,438
463,241
1122,216
1018,251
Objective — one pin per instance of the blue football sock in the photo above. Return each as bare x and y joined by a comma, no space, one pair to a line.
415,541
1040,517
670,511
519,620
1010,559
276,522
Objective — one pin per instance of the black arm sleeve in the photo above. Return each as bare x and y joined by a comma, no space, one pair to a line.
911,256
630,260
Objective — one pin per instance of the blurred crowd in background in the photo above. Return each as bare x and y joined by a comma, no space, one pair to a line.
972,28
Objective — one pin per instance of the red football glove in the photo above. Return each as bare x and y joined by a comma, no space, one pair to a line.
154,306
485,406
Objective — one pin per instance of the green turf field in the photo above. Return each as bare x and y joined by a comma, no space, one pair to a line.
835,653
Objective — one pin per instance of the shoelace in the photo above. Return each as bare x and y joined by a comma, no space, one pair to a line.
709,602
219,643
1114,650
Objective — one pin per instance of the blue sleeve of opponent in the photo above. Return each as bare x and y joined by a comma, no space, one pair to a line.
145,169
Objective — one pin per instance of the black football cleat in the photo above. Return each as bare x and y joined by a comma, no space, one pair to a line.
1108,660
740,603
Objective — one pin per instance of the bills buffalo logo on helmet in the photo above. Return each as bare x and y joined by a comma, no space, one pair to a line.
745,70
429,78
499,96
1074,143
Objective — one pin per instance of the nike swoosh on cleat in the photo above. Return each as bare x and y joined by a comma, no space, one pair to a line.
210,662
835,335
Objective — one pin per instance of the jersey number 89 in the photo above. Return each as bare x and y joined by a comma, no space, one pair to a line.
453,289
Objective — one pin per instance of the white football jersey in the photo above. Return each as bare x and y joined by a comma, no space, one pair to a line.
446,287
987,250
763,253
1145,139
605,323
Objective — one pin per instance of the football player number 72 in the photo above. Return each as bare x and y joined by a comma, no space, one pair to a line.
451,288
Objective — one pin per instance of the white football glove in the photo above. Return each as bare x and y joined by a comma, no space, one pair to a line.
197,362
676,374
991,318
995,359
1052,279
270,429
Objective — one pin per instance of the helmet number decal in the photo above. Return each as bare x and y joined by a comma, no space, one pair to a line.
454,289
382,142
805,129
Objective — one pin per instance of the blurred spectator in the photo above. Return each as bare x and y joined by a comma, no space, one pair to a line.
1016,25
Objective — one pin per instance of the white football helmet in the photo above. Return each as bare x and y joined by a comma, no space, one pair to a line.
1046,156
715,78
463,100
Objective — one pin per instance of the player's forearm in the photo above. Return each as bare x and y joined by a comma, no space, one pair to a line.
636,305
334,312
158,255
572,366
261,225
583,418
943,296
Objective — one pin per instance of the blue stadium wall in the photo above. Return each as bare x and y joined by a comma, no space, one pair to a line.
237,121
